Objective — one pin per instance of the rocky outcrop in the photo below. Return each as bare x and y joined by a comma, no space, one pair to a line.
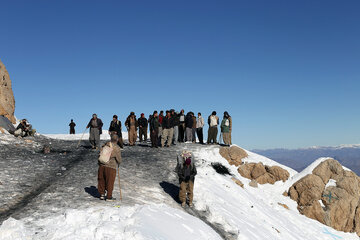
263,174
7,101
337,204
233,154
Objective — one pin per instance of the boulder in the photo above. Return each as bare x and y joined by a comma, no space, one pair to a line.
341,202
7,101
233,155
253,183
263,174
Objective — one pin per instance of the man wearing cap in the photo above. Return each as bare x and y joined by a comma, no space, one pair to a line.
115,127
186,171
143,122
95,124
131,124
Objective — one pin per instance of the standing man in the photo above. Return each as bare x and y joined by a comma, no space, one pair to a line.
168,129
188,124
131,125
225,129
193,128
213,122
143,122
72,127
230,126
199,128
186,171
107,171
181,126
154,130
115,126
176,118
95,124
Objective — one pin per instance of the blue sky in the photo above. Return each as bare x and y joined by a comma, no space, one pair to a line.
288,72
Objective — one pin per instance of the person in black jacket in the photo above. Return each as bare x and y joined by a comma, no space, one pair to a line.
176,118
168,129
189,122
95,124
72,127
186,171
143,122
181,126
154,129
115,126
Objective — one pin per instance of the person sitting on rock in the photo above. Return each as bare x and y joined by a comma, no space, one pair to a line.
24,129
107,171
186,171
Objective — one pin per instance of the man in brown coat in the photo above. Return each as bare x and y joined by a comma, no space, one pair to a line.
132,124
107,172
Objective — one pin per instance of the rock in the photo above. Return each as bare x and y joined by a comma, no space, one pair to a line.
253,183
7,101
285,194
308,188
233,155
342,202
263,174
258,170
279,173
246,169
2,130
238,182
284,205
314,211
46,150
329,169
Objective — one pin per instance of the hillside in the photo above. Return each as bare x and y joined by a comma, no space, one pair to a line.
53,197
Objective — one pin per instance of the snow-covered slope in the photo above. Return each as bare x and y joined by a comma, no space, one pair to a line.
244,213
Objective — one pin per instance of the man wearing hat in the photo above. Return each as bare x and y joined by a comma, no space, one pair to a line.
131,124
186,171
143,122
95,124
115,127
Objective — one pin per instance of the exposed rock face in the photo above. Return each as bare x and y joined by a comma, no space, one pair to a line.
341,203
233,155
263,174
7,101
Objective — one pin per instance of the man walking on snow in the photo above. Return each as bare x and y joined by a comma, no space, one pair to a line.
107,171
95,124
186,171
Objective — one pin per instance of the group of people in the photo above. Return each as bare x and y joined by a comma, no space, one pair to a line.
165,130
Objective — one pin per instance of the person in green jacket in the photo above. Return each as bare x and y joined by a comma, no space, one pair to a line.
225,129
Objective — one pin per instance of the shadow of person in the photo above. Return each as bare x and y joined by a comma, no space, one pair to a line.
92,191
171,189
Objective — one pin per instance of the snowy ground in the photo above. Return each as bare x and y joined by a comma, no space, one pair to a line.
54,197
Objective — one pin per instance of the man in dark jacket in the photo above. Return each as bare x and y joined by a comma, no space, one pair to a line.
115,127
186,171
95,124
189,125
72,127
168,129
181,126
176,118
154,129
131,124
142,121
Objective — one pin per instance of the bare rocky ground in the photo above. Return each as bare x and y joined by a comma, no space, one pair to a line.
37,185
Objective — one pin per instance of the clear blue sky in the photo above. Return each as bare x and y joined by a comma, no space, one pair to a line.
287,71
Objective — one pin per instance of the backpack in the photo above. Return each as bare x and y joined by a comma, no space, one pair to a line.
105,154
213,121
181,159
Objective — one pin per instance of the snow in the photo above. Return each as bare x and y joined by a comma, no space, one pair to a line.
83,136
117,222
244,213
331,183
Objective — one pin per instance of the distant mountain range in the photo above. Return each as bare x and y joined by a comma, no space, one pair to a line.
298,159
